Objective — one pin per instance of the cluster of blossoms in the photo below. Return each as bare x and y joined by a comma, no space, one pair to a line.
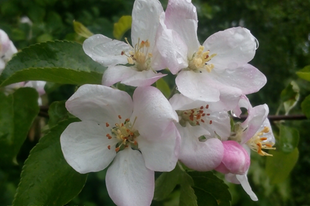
135,136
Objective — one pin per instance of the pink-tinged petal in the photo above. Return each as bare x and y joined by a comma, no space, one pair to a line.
181,16
100,103
246,78
269,135
233,47
129,76
171,48
197,155
194,85
142,78
243,102
85,146
117,73
161,154
152,112
236,160
218,124
106,51
243,179
145,21
128,181
2,65
257,115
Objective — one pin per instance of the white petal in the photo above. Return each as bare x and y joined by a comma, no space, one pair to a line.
161,154
246,78
171,48
181,16
152,112
194,86
197,155
145,21
142,78
100,103
128,181
243,179
257,115
234,46
85,146
105,51
117,73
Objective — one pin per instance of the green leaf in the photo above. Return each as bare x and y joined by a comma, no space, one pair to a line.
279,166
304,73
210,190
290,96
120,27
59,61
162,85
57,112
289,138
305,106
81,30
167,182
46,178
17,113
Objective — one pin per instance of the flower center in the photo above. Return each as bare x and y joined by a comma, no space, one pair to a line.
193,116
258,142
139,55
125,134
199,61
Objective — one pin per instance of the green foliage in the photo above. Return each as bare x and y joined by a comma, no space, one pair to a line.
162,85
305,106
81,30
304,73
120,27
57,112
47,179
60,62
196,188
17,113
280,165
285,157
290,96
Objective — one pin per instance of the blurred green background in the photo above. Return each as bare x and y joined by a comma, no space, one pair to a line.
282,28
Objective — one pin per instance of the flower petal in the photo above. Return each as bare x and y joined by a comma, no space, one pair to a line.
152,112
194,86
171,48
85,146
142,78
128,181
161,154
105,51
197,155
100,104
145,21
257,116
245,77
243,179
233,47
236,160
181,16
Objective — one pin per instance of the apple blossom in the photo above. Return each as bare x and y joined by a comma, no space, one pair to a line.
135,65
218,67
7,49
253,134
135,137
202,126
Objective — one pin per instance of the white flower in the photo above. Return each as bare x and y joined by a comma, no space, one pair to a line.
135,64
202,126
216,68
7,49
137,137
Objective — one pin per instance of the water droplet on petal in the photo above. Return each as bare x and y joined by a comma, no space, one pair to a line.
257,44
